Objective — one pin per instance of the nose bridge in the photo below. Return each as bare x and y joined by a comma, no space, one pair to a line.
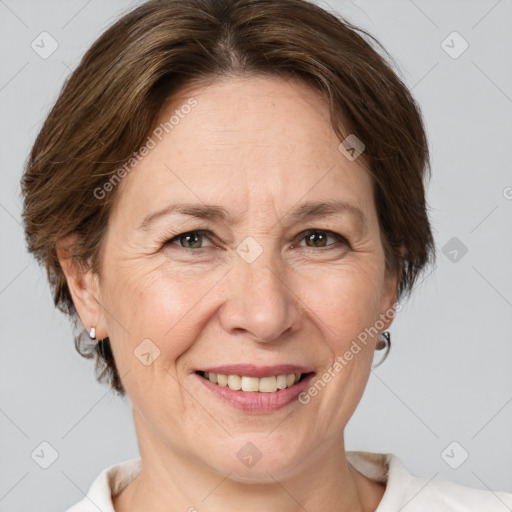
262,302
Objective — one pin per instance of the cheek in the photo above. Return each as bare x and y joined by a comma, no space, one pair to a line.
153,310
349,307
347,302
347,299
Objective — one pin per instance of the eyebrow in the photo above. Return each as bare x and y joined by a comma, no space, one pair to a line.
306,211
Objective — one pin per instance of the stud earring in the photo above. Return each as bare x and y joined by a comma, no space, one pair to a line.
92,333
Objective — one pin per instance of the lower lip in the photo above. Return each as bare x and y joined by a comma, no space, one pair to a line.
255,401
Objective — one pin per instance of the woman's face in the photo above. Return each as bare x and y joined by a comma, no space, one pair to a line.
254,290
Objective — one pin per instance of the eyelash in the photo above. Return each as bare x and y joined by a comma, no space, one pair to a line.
204,232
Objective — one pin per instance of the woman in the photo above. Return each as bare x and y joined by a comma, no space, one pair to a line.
229,196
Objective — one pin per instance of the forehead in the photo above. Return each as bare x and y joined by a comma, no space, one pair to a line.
252,112
245,141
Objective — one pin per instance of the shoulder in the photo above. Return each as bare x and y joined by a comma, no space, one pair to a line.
109,482
408,493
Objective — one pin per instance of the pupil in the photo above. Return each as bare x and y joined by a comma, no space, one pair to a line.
317,235
188,237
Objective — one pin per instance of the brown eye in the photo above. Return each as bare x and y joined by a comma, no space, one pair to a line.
318,238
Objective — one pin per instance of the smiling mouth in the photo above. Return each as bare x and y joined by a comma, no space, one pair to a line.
248,384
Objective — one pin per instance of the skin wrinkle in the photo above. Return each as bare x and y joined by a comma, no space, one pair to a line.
212,307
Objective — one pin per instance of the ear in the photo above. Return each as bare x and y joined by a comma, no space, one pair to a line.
389,298
390,293
83,285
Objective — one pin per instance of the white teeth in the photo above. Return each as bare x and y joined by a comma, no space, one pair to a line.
253,384
222,380
281,382
250,383
234,382
268,384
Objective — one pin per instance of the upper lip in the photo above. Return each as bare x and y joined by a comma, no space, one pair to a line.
251,370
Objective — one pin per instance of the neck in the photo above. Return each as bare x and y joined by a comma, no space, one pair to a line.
170,481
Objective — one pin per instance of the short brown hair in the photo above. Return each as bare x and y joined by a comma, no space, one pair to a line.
109,104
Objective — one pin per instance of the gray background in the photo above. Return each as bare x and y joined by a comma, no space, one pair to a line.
448,376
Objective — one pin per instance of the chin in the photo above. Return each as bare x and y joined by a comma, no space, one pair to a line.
256,458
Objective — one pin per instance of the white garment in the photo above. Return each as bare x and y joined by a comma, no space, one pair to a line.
404,492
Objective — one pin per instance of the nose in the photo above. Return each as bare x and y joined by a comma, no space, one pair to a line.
260,302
